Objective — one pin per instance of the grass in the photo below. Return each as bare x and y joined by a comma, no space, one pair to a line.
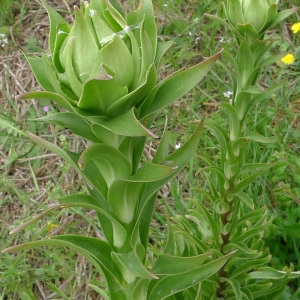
31,179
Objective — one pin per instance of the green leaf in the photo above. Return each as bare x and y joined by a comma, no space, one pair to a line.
111,163
247,181
43,72
125,125
235,285
271,15
150,172
163,147
117,234
169,264
134,97
241,103
55,20
256,230
123,197
245,199
4,124
260,49
63,31
214,227
140,289
258,138
247,266
52,147
252,167
282,15
100,291
131,266
70,77
162,48
150,24
234,12
77,124
247,30
93,249
99,93
118,58
270,273
172,284
177,159
245,62
58,99
33,220
221,136
238,224
222,21
264,95
234,125
175,86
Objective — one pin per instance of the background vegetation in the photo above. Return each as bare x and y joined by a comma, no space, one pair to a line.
31,178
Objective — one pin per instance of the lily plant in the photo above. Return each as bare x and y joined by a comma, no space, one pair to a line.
102,72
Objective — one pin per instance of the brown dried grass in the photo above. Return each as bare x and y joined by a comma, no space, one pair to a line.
33,178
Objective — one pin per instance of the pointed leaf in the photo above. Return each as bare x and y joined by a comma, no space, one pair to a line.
136,95
162,48
125,125
42,71
72,121
235,285
178,159
33,220
118,233
283,15
172,284
175,86
55,20
99,93
234,125
163,147
168,264
132,263
258,138
140,289
95,250
52,147
111,163
270,273
245,62
58,99
150,24
246,181
123,197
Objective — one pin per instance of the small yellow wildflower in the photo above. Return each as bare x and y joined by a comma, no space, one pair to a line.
288,59
296,27
51,226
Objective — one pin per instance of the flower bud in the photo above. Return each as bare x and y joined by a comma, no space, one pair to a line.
257,15
102,63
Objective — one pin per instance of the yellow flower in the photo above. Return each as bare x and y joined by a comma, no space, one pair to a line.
288,59
51,226
296,27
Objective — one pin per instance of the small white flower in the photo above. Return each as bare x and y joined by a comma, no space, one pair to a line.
3,40
177,145
228,94
223,40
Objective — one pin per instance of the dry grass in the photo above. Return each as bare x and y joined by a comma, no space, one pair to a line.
30,176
